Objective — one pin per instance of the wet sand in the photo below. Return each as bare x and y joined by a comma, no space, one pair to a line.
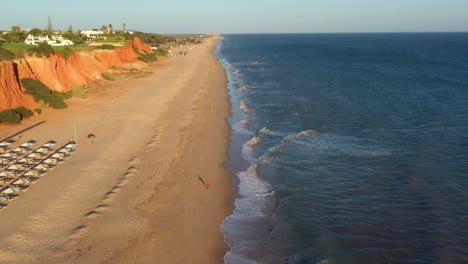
134,195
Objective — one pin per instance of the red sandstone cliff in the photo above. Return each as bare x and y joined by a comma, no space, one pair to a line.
59,74
11,93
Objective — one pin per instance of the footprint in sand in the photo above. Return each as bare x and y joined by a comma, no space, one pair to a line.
155,137
91,214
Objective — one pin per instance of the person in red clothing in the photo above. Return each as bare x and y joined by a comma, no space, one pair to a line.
208,183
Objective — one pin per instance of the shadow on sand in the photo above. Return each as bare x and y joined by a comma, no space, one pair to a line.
22,131
202,181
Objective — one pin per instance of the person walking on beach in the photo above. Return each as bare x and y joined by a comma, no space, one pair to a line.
208,183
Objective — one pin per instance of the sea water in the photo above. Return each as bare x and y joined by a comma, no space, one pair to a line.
348,148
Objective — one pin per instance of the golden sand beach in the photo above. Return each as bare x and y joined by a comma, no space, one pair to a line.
136,193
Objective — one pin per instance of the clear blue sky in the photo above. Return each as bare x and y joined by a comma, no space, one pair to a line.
241,16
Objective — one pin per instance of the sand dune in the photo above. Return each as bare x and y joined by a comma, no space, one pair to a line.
134,194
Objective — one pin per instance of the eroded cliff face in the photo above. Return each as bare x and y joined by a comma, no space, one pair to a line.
11,93
59,74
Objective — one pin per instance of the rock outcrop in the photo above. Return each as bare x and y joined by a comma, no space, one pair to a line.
61,74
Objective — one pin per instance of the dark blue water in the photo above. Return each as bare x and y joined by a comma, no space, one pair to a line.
358,148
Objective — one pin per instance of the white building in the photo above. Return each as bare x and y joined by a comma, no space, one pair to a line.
92,35
57,40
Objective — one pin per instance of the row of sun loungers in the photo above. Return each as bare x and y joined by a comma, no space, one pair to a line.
23,166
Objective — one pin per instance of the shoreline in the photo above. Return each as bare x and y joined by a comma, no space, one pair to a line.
134,195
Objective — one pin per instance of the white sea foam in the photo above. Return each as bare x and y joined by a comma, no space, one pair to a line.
241,129
300,135
242,87
250,184
311,140
266,158
253,141
248,148
251,219
267,194
251,216
244,106
268,131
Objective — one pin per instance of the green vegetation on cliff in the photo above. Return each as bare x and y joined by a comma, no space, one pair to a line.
161,52
6,54
152,39
14,116
10,116
43,49
145,57
25,113
107,46
43,94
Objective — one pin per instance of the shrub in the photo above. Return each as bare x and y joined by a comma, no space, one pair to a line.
107,46
148,57
42,93
35,87
43,104
161,52
108,76
25,113
38,110
78,91
54,101
145,57
43,49
62,95
66,52
10,116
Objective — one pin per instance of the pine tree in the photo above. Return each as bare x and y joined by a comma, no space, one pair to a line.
50,27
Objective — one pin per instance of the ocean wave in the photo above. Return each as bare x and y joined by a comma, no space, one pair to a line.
250,63
268,156
334,144
301,135
267,131
297,259
311,142
250,184
251,220
253,141
271,193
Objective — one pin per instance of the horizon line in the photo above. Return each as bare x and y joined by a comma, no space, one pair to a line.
337,32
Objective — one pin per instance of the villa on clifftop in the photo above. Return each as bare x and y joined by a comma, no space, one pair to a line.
53,41
92,35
